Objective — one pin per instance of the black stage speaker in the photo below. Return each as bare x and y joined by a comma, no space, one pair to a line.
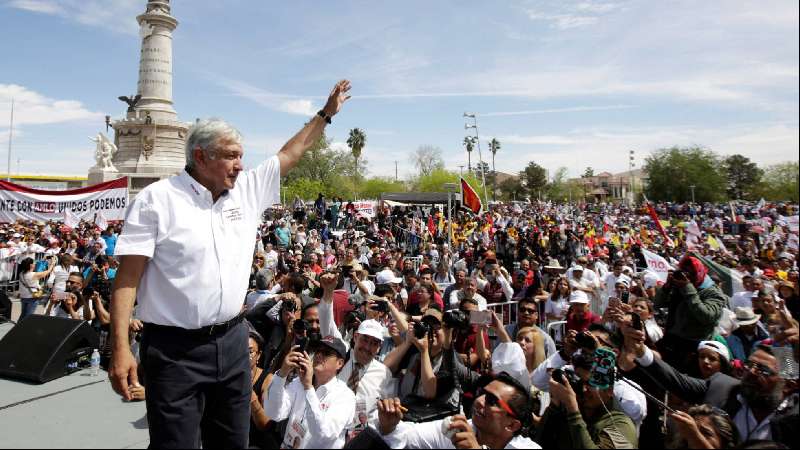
5,307
42,348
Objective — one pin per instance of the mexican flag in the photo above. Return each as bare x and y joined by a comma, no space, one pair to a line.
730,279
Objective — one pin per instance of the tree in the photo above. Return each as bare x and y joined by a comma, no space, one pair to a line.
673,171
426,159
484,166
743,176
780,182
533,178
511,189
357,140
494,146
469,143
374,187
588,173
320,162
435,181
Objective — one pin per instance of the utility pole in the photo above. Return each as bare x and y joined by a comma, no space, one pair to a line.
692,188
10,134
395,170
461,170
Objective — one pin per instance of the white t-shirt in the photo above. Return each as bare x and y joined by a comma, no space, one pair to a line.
200,251
557,308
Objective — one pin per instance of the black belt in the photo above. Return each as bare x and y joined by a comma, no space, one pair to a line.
208,331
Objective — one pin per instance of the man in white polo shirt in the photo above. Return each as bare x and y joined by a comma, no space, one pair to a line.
186,251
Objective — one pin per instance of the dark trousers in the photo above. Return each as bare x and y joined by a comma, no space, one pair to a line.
198,388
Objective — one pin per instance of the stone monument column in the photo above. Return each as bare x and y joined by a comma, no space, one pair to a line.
150,139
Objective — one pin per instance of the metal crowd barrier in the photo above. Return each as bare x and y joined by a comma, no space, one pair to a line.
507,311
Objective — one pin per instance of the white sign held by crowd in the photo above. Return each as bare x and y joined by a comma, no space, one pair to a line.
657,265
365,209
109,199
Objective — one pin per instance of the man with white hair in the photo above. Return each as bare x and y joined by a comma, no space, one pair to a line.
186,250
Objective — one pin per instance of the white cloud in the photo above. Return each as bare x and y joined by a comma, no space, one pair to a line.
33,108
565,16
556,110
114,15
300,107
278,102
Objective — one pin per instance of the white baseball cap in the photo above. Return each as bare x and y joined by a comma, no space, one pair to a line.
371,328
386,276
578,297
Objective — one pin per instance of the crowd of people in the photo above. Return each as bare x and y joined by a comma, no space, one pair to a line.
530,325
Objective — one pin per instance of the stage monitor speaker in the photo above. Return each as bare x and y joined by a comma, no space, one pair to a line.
42,348
5,306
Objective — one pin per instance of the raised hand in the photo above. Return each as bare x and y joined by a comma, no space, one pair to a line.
336,99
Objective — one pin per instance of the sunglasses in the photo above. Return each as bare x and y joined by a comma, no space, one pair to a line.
493,400
528,311
760,368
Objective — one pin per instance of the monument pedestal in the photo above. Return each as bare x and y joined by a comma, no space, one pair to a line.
97,175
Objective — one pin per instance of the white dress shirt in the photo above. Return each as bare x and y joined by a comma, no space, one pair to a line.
200,251
376,379
317,417
430,435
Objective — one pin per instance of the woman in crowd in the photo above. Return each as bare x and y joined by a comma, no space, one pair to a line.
704,427
58,278
558,303
262,434
30,291
712,357
645,309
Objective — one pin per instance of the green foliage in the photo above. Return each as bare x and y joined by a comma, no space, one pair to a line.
534,179
357,140
779,183
671,171
743,176
511,189
372,188
306,189
588,173
562,188
434,182
319,163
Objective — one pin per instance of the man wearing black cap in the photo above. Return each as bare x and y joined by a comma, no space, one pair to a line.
318,405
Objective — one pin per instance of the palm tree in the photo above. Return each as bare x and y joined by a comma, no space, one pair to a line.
494,146
356,141
469,142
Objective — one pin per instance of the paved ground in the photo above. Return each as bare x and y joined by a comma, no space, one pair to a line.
76,411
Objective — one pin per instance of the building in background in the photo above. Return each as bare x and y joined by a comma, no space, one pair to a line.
613,188
48,182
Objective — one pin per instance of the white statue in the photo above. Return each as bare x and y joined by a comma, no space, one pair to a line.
104,152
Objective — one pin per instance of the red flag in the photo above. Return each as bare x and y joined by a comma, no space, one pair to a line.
431,226
470,198
654,216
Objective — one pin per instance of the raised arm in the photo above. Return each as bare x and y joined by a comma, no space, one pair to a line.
294,149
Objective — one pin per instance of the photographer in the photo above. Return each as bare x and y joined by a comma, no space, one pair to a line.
432,369
695,306
71,304
316,403
355,282
501,415
597,423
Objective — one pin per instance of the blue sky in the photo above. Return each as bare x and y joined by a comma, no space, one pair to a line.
562,83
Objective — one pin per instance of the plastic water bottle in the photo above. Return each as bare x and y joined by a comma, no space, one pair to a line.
95,363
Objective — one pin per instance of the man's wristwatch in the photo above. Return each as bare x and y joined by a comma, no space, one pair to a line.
322,114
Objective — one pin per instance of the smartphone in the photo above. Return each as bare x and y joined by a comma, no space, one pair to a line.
624,297
636,322
480,317
603,371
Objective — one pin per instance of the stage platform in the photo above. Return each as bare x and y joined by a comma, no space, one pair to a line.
76,411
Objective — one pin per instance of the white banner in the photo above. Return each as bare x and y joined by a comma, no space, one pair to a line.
365,209
21,202
657,265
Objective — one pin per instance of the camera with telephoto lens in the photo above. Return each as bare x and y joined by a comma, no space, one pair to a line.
421,329
456,319
353,316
